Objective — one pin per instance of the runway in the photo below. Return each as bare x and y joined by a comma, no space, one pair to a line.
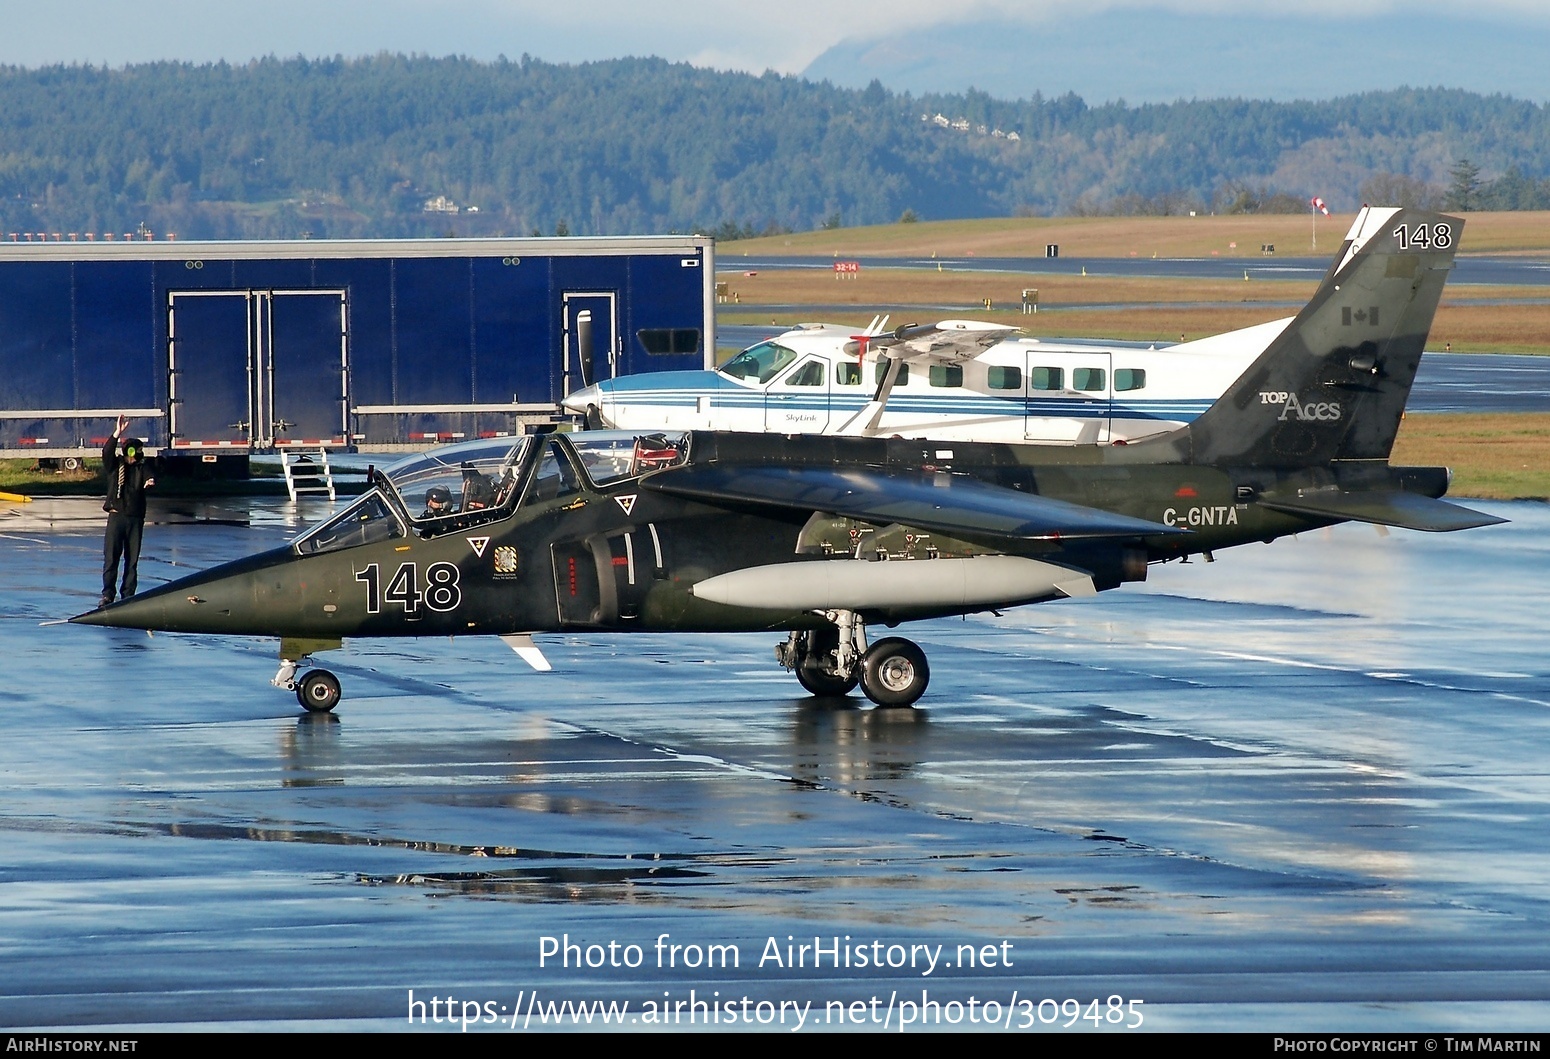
1301,788
1496,271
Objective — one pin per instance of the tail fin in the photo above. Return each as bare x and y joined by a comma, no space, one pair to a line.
1333,385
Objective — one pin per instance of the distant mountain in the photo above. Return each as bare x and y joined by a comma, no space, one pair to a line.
412,146
1152,56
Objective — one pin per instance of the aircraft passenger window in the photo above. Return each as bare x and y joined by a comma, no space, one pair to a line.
760,363
809,374
1001,378
1129,378
847,374
1088,379
1047,378
882,370
947,375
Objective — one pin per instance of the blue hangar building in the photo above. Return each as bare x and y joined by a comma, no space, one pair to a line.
230,348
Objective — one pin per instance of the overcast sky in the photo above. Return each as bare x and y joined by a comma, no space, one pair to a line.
752,35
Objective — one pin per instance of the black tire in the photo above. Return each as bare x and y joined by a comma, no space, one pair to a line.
825,685
318,691
894,672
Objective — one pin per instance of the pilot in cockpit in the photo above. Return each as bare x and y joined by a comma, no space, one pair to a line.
438,502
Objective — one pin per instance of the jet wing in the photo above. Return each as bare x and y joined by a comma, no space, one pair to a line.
1385,508
955,504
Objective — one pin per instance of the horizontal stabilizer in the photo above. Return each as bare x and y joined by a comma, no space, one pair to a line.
948,503
1385,508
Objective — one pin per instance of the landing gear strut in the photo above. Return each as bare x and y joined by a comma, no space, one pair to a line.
831,661
318,691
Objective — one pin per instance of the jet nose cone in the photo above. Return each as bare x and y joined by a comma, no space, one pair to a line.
148,611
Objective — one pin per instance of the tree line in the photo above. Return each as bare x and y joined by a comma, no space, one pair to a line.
394,145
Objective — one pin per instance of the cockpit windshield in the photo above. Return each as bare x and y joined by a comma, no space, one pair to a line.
368,520
759,363
458,486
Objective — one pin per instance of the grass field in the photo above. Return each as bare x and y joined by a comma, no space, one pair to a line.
1472,318
1292,235
1500,457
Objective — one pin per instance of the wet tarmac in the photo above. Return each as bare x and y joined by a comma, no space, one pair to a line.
1305,787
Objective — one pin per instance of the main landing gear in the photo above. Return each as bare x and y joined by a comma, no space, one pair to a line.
833,660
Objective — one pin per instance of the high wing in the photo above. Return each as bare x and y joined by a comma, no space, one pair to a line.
947,340
955,504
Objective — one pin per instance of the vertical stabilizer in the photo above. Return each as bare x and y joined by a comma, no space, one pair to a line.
1333,385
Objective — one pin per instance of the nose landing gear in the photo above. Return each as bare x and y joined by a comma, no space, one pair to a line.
318,691
831,661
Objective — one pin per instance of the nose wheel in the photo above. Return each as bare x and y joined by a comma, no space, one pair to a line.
318,691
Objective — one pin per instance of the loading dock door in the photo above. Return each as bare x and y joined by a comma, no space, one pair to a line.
583,367
306,357
257,368
209,355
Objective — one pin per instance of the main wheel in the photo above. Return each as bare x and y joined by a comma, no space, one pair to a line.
817,646
318,691
812,677
894,672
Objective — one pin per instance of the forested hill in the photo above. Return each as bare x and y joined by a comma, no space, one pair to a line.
394,145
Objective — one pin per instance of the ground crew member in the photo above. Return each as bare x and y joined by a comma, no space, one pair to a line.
129,476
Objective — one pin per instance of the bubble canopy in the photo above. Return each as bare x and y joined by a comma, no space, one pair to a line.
459,486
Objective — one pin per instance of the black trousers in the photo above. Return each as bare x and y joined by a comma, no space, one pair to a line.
121,541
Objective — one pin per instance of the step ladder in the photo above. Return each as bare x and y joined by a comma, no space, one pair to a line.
307,473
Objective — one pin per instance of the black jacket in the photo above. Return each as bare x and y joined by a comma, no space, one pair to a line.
129,499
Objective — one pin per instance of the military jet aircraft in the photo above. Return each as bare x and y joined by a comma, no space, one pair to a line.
821,537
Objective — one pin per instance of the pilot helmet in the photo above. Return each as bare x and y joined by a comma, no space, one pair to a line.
438,496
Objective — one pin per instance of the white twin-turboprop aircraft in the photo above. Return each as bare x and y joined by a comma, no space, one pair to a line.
958,380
